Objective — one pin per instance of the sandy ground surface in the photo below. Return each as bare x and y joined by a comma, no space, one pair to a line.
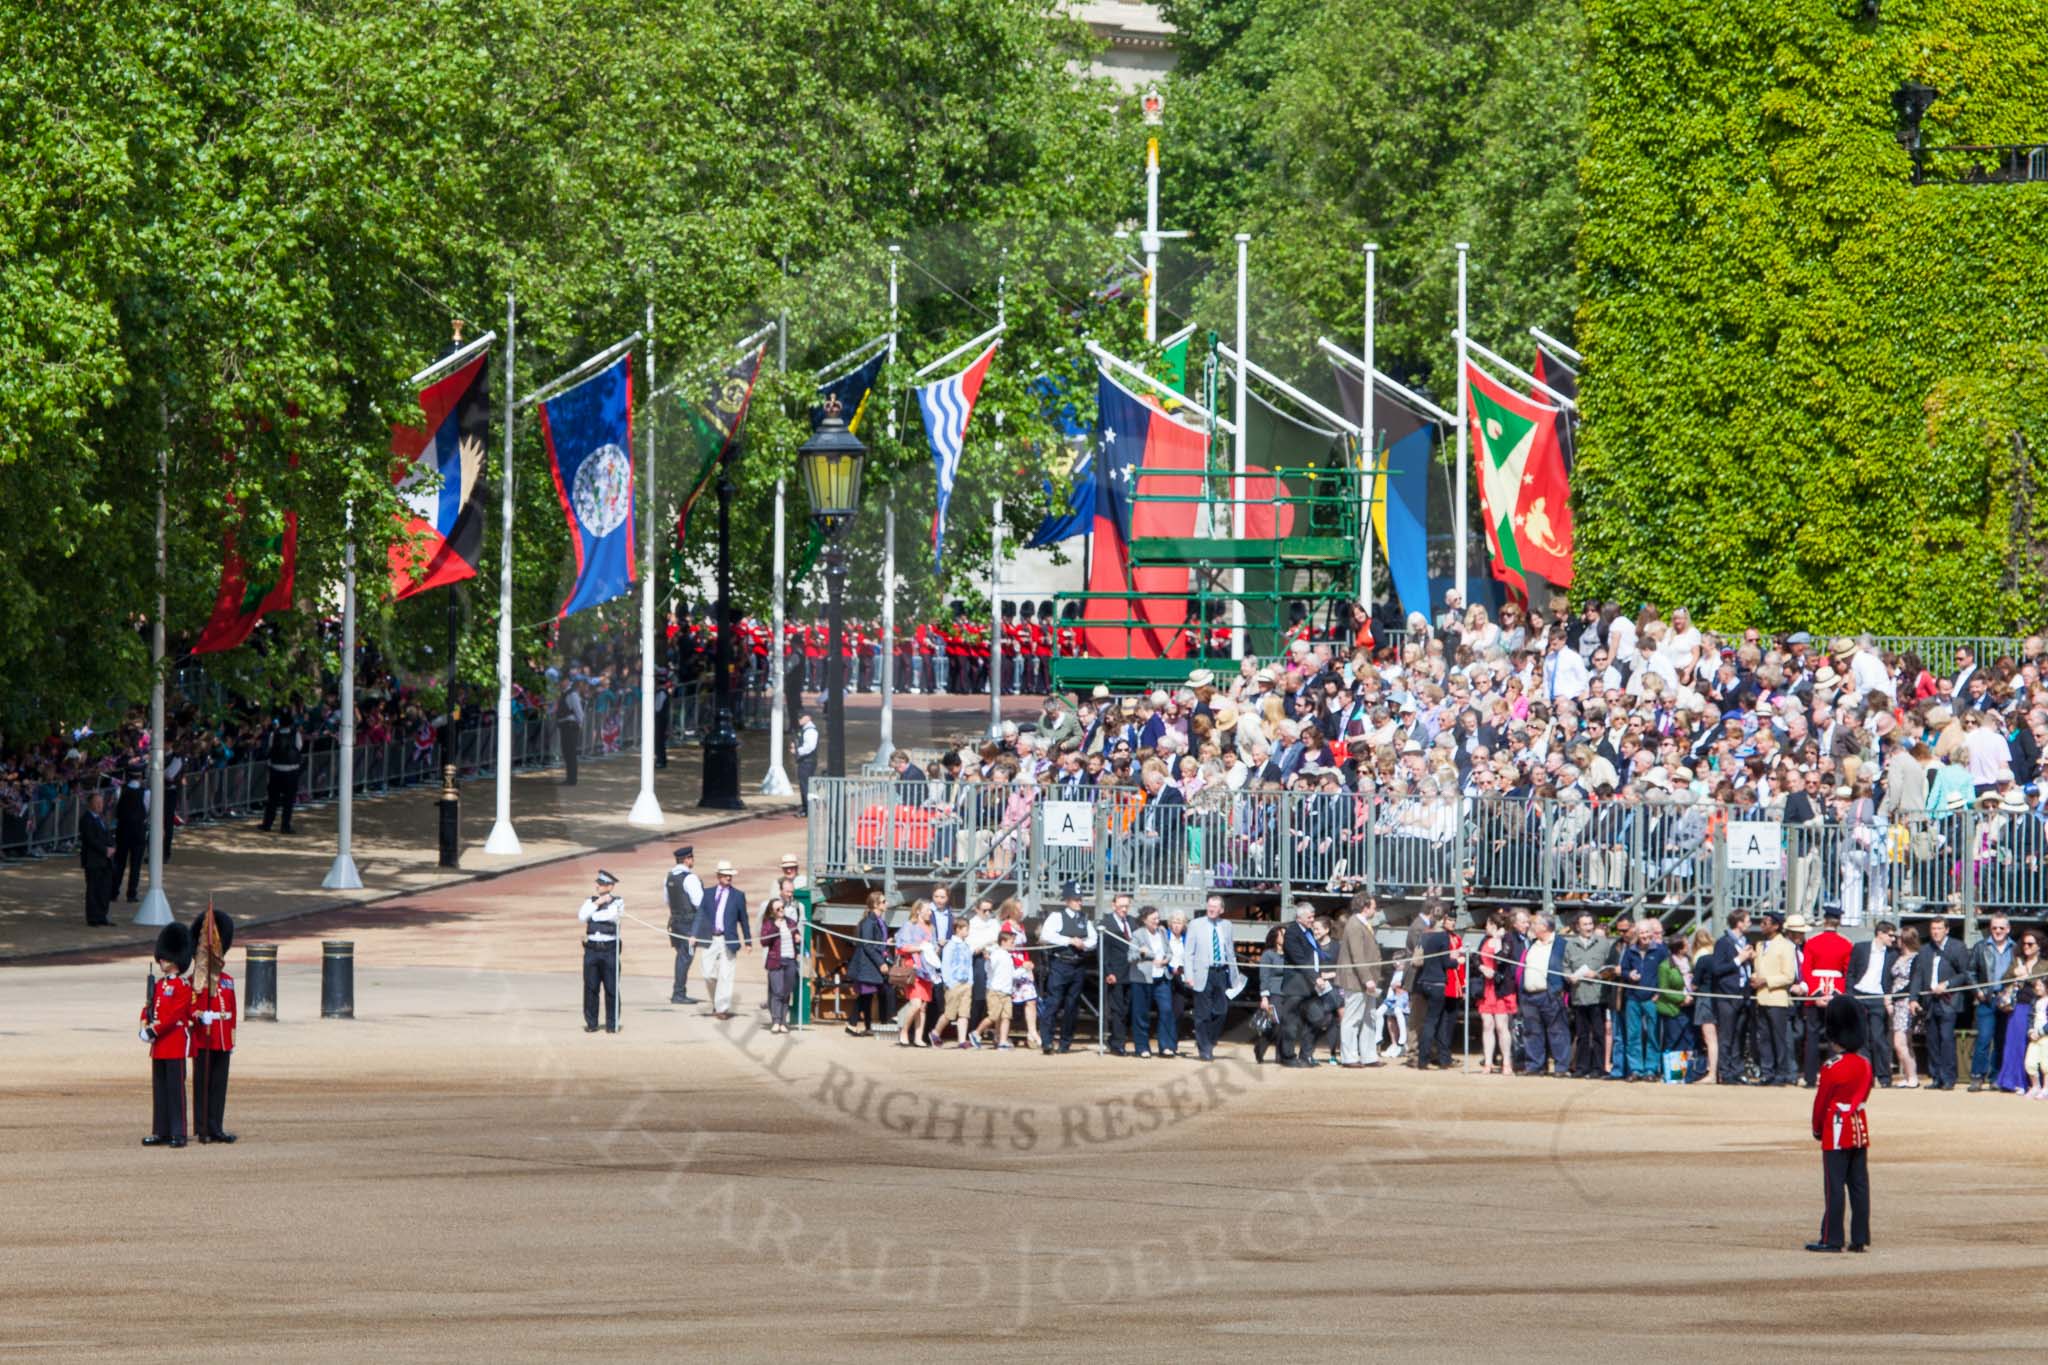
460,1172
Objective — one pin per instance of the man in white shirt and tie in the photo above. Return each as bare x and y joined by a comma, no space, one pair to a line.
1213,974
722,928
1564,671
685,897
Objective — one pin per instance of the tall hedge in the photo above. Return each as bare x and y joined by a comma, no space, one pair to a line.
1809,382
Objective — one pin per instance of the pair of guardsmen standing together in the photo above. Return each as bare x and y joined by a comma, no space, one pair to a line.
190,1020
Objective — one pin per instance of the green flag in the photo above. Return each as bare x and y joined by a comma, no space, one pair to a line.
714,425
1177,362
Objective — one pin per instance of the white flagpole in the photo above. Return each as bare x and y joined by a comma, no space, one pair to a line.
1239,639
1151,241
887,746
342,875
503,841
156,906
776,783
1464,439
646,806
995,623
1368,420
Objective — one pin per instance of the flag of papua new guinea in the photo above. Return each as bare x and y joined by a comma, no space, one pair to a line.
589,435
439,470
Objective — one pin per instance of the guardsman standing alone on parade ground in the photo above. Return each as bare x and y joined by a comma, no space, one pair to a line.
1843,1131
213,1036
685,894
167,1029
599,915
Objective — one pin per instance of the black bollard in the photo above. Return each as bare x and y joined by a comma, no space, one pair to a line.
259,980
451,819
337,979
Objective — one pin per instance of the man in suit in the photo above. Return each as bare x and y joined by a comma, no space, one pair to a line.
685,897
722,929
1775,971
96,855
1411,968
1117,983
1990,960
1870,975
131,830
1298,946
1938,986
1068,936
1542,992
1161,829
1213,974
1358,976
1432,987
805,744
1728,978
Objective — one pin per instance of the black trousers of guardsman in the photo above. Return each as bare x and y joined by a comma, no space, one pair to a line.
1846,1172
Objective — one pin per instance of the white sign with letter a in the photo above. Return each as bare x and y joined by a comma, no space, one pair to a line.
1068,824
1755,845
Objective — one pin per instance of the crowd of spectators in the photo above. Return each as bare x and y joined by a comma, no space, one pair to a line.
1603,736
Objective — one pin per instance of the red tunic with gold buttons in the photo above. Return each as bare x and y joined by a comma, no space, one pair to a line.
1838,1118
169,1014
218,1036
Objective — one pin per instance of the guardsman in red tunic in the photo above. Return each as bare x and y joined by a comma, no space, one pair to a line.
1843,1131
166,1027
213,1036
814,656
953,638
853,642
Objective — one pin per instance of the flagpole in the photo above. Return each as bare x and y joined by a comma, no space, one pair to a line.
1371,442
887,746
1151,241
995,623
1240,640
646,806
776,783
503,841
342,875
1464,440
156,906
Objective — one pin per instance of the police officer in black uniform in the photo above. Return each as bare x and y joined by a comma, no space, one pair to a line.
131,829
599,915
286,750
1073,933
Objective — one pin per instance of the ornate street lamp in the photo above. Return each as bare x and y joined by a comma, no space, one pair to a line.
830,463
722,740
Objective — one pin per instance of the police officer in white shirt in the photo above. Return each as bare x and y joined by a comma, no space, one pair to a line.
599,915
685,894
806,746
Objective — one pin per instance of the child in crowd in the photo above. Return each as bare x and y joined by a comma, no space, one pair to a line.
956,969
1393,1020
1002,972
1025,990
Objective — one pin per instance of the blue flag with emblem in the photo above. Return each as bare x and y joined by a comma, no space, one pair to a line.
589,435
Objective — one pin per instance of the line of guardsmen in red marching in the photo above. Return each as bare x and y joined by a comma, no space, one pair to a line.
948,654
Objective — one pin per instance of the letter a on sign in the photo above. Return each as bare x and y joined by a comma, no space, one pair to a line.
1068,824
1755,845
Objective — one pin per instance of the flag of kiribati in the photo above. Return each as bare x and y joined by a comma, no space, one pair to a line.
589,436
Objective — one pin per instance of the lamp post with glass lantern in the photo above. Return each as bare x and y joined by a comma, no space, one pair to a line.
830,463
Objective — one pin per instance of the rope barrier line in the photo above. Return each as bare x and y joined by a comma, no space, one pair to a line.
1405,960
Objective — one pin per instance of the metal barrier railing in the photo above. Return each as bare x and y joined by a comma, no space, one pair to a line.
45,826
1659,857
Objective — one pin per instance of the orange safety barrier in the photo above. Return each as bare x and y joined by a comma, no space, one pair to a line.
913,829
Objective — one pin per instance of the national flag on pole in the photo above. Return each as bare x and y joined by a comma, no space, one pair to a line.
245,595
1405,447
714,425
1551,371
1523,494
947,404
1078,517
437,476
1139,448
852,389
588,431
1176,354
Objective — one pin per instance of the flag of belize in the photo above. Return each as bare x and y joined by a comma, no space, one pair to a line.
589,436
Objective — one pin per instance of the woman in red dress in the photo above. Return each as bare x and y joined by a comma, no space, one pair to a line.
1496,997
